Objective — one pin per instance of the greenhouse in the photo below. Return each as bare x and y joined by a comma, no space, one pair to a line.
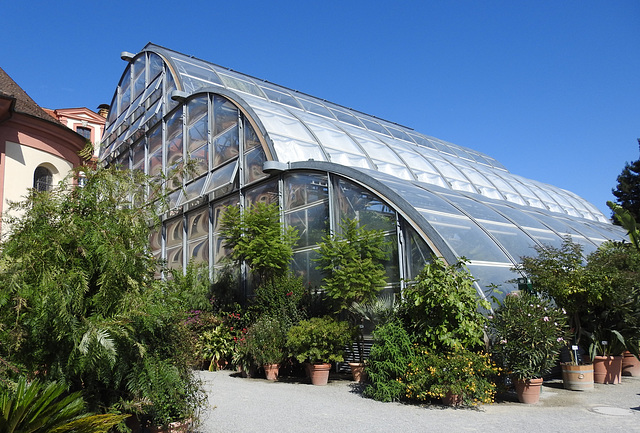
253,141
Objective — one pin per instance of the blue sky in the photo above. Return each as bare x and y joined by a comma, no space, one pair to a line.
549,88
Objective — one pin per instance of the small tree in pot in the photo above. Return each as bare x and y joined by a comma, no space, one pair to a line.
319,341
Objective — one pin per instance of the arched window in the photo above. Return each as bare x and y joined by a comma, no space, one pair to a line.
42,179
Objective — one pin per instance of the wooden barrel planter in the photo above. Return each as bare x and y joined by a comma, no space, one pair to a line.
577,377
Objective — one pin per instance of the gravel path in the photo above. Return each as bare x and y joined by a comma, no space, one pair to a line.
255,405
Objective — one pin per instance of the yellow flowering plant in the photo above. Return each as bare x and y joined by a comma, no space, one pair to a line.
460,372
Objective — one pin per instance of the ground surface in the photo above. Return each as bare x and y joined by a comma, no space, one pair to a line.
255,405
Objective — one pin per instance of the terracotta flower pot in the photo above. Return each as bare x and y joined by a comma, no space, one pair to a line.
607,369
630,365
451,399
271,371
319,373
577,377
528,390
358,372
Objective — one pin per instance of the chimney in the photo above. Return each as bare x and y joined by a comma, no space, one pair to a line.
103,110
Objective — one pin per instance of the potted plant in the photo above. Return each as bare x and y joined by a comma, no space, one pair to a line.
607,347
576,375
319,341
266,341
460,377
214,345
528,334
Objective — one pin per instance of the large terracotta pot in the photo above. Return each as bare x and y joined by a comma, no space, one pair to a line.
319,373
528,390
630,365
271,371
577,377
358,372
607,369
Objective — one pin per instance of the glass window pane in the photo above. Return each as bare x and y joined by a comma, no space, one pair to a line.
305,265
251,139
174,232
226,146
302,189
201,158
417,253
197,109
254,160
312,224
266,193
222,177
356,202
197,133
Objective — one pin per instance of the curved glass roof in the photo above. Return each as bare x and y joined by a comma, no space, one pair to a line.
465,203
302,127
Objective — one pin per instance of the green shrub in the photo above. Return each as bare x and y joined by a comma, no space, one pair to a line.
319,339
528,334
266,341
79,301
469,375
388,361
443,309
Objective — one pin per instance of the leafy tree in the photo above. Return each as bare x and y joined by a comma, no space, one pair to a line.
627,192
256,236
443,309
352,262
78,298
601,295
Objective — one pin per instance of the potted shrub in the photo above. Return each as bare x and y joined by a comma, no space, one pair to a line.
266,341
319,341
607,347
528,334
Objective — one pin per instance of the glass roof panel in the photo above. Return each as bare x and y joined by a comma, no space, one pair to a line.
281,97
290,149
374,126
240,85
453,176
399,171
430,178
282,124
315,107
343,116
196,76
397,133
466,239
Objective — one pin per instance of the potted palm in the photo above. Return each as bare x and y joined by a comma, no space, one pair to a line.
527,336
266,341
318,342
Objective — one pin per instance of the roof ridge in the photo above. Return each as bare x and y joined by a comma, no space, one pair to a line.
24,103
